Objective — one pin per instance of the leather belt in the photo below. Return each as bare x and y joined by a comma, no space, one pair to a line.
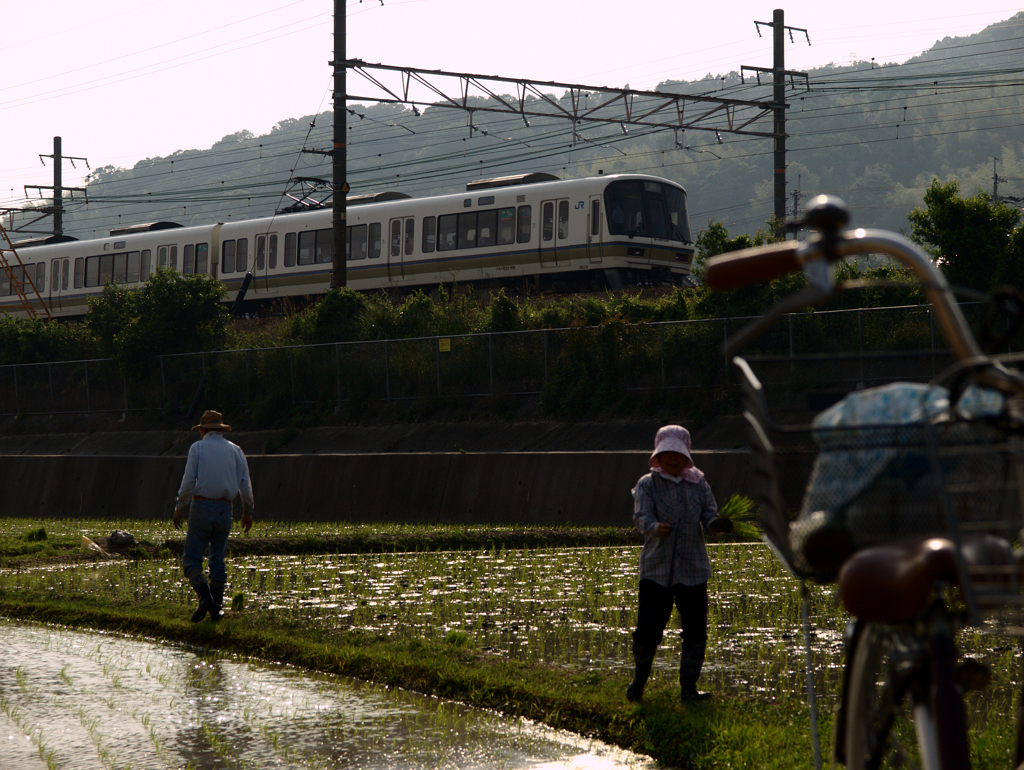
211,499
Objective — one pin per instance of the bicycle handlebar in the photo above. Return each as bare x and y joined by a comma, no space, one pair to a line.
815,257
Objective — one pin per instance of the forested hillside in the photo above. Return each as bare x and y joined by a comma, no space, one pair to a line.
875,134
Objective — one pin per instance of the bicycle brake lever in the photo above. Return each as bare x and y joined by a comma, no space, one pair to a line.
808,296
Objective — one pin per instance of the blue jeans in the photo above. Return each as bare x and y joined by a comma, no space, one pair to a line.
209,523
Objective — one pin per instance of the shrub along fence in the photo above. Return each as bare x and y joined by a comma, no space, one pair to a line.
805,361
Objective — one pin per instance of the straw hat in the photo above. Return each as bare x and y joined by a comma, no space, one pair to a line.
211,420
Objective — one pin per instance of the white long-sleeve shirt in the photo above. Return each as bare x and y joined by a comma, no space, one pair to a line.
216,469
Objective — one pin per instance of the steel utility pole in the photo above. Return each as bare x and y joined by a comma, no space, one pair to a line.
58,187
339,277
779,105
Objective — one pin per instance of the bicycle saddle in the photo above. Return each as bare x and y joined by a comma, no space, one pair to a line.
893,582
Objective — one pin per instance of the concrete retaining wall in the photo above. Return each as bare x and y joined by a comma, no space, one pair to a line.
577,488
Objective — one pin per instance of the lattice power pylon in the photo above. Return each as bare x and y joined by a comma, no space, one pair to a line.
19,277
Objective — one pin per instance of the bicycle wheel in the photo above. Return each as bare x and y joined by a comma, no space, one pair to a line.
888,720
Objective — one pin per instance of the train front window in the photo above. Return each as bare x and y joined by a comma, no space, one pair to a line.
675,205
649,208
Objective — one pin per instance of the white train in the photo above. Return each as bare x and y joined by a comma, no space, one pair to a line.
533,228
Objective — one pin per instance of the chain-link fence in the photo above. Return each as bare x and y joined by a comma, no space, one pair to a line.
804,361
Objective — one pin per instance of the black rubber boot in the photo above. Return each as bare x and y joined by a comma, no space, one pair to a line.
217,592
205,600
690,664
643,661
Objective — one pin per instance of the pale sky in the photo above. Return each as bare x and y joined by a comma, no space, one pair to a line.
122,81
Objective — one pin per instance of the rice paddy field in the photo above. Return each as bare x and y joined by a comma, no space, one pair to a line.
572,608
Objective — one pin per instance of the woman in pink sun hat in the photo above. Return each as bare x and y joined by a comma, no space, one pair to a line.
673,508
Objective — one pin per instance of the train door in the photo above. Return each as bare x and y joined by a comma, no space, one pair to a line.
554,232
401,236
595,230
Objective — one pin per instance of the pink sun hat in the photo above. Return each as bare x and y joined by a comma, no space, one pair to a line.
674,438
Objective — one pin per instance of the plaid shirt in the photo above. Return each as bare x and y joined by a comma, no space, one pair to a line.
682,557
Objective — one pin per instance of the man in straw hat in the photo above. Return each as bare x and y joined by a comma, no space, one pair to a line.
216,472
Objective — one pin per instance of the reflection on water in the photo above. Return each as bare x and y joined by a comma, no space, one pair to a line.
80,701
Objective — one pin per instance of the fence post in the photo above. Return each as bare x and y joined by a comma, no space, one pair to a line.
490,361
387,372
337,371
661,343
163,380
88,396
17,399
546,356
860,340
291,368
49,376
792,363
437,362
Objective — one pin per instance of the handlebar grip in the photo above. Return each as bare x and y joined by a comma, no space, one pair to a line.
756,265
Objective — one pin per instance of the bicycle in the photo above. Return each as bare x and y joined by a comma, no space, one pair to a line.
911,508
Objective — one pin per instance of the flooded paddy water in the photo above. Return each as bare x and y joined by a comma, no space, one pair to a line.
570,607
81,701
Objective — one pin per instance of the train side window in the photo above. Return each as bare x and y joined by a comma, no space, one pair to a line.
242,255
525,219
447,229
65,274
547,218
161,257
79,272
173,258
595,217
272,252
106,269
488,221
324,245
396,237
5,284
119,274
356,243
261,251
307,246
147,258
506,226
202,258
429,233
227,257
188,259
134,266
410,235
41,277
468,230
55,275
375,228
92,272
563,220
290,240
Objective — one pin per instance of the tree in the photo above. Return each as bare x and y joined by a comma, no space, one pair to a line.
971,239
170,313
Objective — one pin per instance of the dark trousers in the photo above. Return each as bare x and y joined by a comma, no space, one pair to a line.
654,612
